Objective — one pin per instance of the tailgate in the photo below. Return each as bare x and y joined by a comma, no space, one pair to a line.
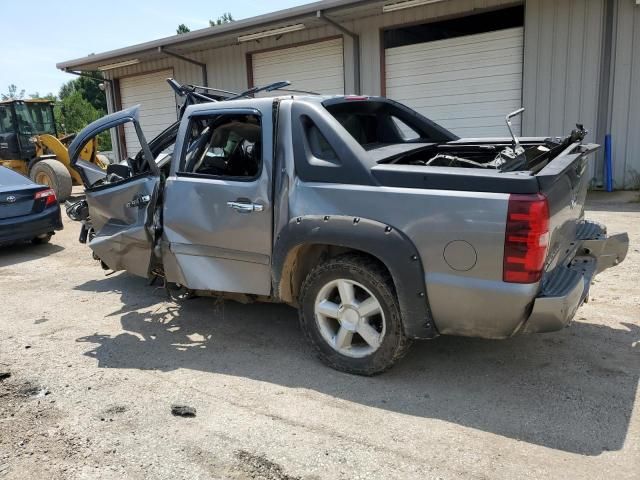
565,181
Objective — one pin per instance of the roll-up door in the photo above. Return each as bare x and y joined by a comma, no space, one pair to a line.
316,67
157,105
467,84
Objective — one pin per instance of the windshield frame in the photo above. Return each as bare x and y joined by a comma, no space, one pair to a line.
26,113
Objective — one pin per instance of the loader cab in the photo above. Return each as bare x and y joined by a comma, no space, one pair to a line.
20,120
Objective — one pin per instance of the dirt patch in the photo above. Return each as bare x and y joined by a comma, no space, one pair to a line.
260,468
32,443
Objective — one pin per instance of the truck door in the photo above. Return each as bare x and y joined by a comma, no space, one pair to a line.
122,204
217,214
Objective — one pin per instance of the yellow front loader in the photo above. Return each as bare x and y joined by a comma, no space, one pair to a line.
29,144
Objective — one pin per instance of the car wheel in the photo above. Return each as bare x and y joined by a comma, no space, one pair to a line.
54,174
349,314
42,239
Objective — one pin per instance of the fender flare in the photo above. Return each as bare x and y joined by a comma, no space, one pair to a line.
389,245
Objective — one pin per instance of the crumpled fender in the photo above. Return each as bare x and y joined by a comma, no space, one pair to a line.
387,244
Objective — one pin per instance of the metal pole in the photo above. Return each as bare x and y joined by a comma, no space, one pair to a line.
203,66
608,163
356,46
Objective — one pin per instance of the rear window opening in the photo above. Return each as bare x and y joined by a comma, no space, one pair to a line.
375,124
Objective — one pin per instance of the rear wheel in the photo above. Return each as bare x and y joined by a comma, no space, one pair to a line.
350,315
54,174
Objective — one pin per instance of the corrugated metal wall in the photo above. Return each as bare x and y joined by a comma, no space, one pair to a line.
624,117
562,66
227,66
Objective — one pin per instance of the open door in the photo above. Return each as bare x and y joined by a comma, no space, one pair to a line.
121,205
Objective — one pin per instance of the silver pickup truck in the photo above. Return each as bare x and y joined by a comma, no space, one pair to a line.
379,225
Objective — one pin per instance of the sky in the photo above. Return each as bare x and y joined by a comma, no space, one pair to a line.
37,38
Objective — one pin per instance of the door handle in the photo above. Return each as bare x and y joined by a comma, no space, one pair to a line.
245,207
139,201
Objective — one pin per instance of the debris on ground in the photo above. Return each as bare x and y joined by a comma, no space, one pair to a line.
4,375
183,411
33,391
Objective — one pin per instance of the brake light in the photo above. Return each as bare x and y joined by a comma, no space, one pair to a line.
526,239
49,197
355,98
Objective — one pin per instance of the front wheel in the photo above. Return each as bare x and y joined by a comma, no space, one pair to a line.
350,315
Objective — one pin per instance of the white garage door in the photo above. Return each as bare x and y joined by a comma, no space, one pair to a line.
467,84
157,105
316,67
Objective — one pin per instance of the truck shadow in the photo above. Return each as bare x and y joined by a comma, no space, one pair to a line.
573,390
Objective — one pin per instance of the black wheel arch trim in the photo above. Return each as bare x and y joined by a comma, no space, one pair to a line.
389,245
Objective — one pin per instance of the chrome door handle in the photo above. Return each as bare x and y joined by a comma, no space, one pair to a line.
242,207
139,201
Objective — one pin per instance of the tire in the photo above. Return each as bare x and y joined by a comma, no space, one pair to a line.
354,351
54,174
41,240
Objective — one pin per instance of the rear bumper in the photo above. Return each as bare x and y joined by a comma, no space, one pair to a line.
30,226
564,291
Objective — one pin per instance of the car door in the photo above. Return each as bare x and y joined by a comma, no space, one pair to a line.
217,214
121,207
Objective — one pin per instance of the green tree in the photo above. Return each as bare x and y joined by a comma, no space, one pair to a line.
13,93
48,96
222,19
74,112
81,102
182,28
89,89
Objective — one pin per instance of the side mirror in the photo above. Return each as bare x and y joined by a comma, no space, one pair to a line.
119,169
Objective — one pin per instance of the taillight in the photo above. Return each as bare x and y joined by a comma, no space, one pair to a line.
48,195
526,238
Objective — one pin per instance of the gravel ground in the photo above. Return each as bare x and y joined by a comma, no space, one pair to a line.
97,362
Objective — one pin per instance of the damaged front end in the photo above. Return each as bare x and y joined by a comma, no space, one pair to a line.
118,212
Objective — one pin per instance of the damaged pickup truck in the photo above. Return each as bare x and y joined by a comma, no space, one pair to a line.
379,225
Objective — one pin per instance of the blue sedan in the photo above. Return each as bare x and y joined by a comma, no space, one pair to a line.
28,211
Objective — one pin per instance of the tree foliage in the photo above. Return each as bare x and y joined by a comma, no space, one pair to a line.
13,93
81,101
182,28
222,19
89,89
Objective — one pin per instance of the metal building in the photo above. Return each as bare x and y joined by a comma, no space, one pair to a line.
463,63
